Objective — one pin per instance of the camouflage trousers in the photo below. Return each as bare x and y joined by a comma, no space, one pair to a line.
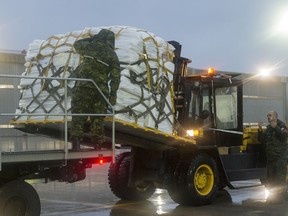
276,174
86,101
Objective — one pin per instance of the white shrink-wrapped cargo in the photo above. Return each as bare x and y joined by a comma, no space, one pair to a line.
145,94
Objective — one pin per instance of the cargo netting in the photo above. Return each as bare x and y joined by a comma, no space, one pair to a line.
145,94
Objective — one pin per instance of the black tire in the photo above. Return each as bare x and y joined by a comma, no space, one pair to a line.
222,181
178,189
197,182
140,190
113,174
19,198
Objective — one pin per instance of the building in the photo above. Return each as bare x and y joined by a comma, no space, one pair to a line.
11,63
263,94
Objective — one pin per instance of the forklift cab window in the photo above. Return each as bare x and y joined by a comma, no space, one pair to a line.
193,113
226,107
199,109
206,108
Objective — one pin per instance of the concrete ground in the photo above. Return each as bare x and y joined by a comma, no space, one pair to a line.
92,196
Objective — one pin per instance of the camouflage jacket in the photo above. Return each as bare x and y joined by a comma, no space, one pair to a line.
100,62
275,140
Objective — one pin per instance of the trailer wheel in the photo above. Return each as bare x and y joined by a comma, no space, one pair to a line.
113,174
139,190
197,182
19,198
178,188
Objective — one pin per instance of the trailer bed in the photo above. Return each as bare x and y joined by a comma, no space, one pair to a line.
53,155
135,135
126,133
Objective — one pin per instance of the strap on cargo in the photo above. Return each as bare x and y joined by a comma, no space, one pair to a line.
160,103
98,60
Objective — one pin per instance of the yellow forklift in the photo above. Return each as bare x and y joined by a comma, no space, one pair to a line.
205,154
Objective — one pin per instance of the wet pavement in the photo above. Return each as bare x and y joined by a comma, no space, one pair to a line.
92,196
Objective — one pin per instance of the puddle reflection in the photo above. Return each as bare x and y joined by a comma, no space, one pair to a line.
161,204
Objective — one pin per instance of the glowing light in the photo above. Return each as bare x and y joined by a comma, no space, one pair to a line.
160,202
282,24
279,26
192,133
101,161
7,126
158,191
211,71
264,72
160,211
267,193
6,86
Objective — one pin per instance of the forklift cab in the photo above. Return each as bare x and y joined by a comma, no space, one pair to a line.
213,105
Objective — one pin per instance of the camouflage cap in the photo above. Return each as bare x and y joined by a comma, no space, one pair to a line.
105,36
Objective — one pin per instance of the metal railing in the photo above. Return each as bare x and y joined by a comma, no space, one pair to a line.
65,115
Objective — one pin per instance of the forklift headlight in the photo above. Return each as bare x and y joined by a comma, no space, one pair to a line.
193,133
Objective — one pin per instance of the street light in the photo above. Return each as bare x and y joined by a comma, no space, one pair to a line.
264,72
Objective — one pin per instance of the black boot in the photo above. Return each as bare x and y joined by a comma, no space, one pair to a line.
75,144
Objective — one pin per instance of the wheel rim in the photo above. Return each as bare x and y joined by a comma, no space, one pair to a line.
143,186
204,179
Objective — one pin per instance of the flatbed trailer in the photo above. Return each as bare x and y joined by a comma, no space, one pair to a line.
143,137
23,157
18,197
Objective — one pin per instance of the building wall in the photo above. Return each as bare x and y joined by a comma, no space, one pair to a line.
10,64
261,95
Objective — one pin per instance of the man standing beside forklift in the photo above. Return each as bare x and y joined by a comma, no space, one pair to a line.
275,140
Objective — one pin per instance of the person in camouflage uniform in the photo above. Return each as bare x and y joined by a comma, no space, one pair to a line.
101,64
275,140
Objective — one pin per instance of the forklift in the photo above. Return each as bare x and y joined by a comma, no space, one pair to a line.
204,154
